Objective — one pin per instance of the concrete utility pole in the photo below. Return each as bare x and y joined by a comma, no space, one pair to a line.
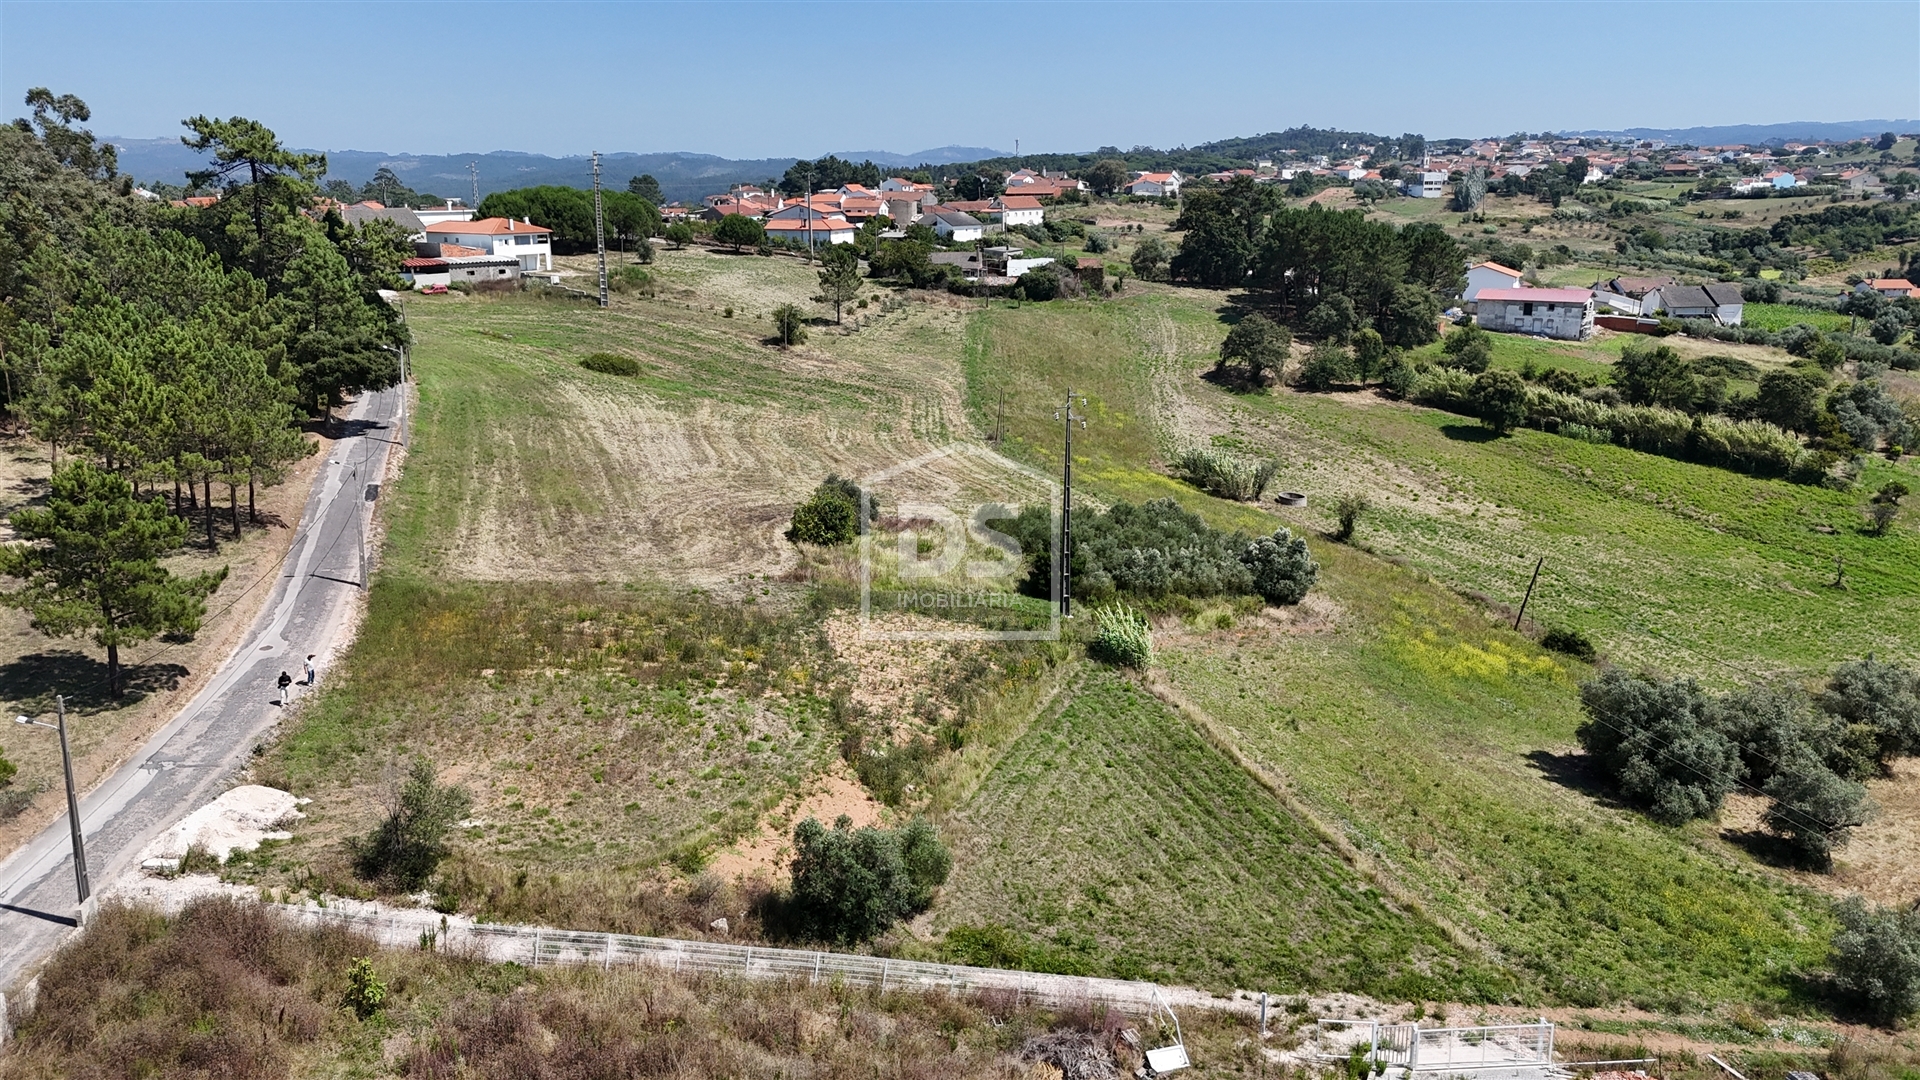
81,883
1066,413
473,171
599,229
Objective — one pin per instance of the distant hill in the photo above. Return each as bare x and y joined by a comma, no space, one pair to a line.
1757,134
682,176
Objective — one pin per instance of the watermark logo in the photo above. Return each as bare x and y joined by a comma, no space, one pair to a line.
936,541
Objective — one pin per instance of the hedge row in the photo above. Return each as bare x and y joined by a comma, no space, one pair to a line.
1750,446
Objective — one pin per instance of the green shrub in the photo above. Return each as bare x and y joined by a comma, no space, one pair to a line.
631,279
1281,567
1225,476
893,773
407,846
1399,377
7,770
1146,552
789,324
1499,399
1123,639
679,234
1255,352
1346,512
611,364
1813,809
1876,958
1658,744
1468,348
1327,365
831,515
1569,643
850,884
1880,698
366,994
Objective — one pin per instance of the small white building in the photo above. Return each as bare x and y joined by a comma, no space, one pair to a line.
818,232
953,226
1566,314
1488,275
1155,185
531,244
1424,184
452,211
895,183
1019,210
1781,180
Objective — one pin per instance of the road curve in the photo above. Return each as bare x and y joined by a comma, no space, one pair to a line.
192,759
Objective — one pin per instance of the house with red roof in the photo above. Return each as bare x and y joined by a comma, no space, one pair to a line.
1891,288
528,244
1566,314
815,232
1488,275
1155,185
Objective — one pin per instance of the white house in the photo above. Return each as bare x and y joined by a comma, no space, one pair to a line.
818,232
895,183
531,244
1781,180
952,226
1891,288
1556,313
1019,210
1425,184
452,211
1160,185
1488,275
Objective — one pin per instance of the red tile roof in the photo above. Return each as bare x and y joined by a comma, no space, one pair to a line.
1019,202
1495,266
493,226
460,251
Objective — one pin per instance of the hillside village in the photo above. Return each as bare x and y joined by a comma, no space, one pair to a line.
1369,608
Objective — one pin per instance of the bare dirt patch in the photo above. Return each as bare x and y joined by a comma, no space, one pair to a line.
768,853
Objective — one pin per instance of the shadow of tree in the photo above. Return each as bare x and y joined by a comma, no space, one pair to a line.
1577,772
33,680
1469,433
1770,849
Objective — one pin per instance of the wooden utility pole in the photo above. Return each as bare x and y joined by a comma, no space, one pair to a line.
599,229
1522,613
1066,413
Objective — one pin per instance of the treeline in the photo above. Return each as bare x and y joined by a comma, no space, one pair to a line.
568,211
169,349
1337,270
1238,153
1662,403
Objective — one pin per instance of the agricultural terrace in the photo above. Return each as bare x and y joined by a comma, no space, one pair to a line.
586,613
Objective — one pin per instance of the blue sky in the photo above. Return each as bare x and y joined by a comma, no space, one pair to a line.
774,79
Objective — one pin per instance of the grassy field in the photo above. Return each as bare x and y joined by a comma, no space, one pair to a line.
1441,743
1780,316
1178,858
586,613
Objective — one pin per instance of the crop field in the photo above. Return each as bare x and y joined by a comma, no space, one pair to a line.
1115,839
1442,744
1780,316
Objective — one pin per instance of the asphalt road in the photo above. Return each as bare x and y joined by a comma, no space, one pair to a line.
195,757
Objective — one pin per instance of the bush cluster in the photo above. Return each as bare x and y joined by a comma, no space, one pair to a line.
850,884
1158,551
1876,958
403,851
831,515
1225,476
611,364
1676,750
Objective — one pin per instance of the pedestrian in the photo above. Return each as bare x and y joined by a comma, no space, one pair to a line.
311,673
286,681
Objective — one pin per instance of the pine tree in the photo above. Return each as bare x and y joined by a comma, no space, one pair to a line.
91,565
839,277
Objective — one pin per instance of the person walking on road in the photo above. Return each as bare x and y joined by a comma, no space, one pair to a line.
286,681
311,673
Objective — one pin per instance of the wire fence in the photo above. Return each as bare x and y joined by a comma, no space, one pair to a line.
1444,1050
536,947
